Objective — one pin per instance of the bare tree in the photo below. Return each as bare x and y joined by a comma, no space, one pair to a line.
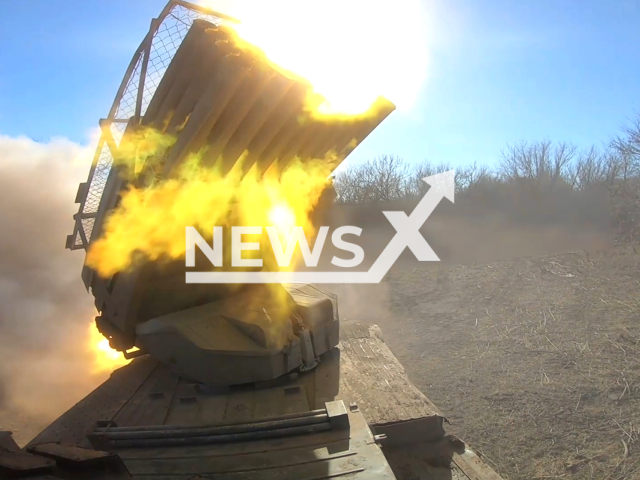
387,176
347,186
351,185
382,179
416,185
471,176
591,167
540,163
628,144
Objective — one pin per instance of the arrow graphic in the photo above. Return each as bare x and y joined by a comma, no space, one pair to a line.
407,236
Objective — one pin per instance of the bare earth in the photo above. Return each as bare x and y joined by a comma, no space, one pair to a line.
532,353
535,360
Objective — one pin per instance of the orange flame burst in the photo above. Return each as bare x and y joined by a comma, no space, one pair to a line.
106,359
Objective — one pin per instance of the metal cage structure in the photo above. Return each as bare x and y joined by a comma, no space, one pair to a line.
143,75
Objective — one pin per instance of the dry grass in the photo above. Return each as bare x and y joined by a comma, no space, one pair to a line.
535,361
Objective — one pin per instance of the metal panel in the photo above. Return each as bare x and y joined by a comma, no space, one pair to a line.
333,453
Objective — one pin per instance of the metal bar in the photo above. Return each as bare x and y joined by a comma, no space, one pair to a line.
256,118
70,244
94,164
287,108
111,144
207,111
80,230
107,201
148,41
127,76
125,81
211,431
285,136
109,121
84,216
197,71
235,114
287,416
205,10
234,437
172,77
119,94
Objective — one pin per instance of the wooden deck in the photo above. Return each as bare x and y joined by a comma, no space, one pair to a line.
362,372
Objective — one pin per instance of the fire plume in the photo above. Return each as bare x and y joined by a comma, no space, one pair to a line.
151,221
106,359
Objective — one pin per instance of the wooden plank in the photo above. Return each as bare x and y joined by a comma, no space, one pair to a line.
21,464
409,463
364,385
474,467
373,377
331,468
7,442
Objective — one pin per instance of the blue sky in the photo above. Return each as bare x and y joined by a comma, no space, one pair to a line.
500,71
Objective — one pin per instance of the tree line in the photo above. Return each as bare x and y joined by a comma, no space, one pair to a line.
540,177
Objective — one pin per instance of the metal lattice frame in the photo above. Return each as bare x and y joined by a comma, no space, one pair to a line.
138,86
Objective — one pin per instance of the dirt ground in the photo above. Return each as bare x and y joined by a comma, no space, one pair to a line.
535,360
526,337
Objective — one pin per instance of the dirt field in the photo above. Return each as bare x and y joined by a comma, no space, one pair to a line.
531,352
535,360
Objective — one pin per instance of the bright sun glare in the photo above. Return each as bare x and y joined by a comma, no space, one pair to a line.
352,51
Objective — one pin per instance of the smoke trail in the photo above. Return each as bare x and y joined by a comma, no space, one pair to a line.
45,365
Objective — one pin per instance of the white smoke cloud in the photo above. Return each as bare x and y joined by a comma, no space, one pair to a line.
45,312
